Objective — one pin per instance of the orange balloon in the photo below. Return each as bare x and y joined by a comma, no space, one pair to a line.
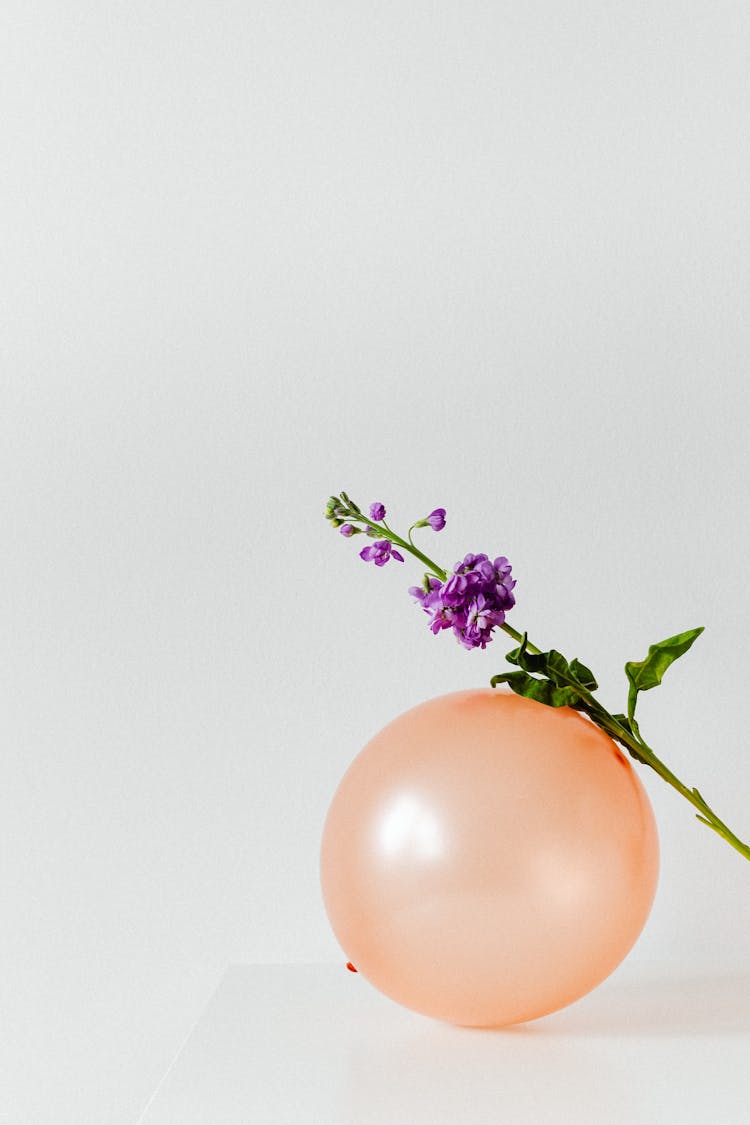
487,859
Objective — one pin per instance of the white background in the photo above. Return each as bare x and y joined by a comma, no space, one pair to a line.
488,256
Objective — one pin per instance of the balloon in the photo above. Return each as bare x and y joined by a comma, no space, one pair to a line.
487,859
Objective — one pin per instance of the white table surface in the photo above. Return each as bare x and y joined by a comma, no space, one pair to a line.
317,1045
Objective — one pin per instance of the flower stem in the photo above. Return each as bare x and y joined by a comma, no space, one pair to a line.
705,813
384,530
643,753
518,637
409,546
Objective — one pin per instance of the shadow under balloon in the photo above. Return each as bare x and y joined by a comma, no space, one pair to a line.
419,1070
716,1004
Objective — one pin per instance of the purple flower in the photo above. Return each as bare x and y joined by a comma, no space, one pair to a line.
454,589
436,519
472,601
428,594
379,552
347,530
377,512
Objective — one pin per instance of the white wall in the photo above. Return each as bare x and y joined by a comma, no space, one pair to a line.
484,255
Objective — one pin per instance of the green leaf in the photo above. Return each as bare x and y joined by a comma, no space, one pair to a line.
648,673
583,674
529,661
553,665
624,721
543,691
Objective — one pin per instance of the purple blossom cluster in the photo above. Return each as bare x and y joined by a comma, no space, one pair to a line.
472,601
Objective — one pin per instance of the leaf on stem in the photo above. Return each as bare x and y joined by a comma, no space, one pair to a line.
561,683
543,691
583,675
624,722
553,665
649,672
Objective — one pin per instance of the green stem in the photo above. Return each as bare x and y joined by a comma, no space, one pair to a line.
429,563
518,637
644,753
385,531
